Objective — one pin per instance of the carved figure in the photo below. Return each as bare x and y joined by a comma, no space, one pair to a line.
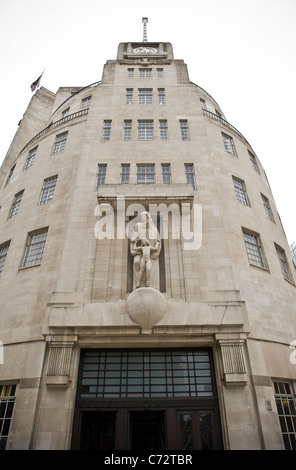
145,247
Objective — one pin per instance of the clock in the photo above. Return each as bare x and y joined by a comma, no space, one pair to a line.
145,50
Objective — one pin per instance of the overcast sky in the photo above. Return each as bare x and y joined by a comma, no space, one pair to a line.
242,52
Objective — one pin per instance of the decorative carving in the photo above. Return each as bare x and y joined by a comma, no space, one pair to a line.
233,361
59,363
145,246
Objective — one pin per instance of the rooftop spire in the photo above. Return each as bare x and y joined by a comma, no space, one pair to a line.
144,21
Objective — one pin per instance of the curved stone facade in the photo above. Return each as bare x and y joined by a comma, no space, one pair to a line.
80,165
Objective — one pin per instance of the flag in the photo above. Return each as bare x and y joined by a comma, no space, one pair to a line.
36,84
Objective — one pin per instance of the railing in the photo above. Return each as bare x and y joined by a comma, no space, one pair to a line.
51,126
225,123
76,93
205,92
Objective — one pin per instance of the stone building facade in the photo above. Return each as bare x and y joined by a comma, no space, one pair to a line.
147,287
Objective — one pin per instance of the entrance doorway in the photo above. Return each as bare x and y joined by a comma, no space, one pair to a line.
147,430
146,400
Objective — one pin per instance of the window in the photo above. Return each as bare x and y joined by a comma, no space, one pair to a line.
86,102
240,191
129,96
161,95
101,175
203,103
60,142
130,73
145,96
184,129
7,400
254,249
158,373
145,73
253,161
31,157
65,112
16,204
125,173
48,190
166,172
145,173
190,175
283,262
127,130
218,113
228,144
107,129
10,174
267,207
286,407
3,254
145,130
159,72
34,248
163,129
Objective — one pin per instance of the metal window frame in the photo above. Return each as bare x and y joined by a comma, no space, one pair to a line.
34,248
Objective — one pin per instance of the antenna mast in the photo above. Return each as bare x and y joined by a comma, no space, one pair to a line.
145,21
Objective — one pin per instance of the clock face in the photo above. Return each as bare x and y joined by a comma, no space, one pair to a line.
145,50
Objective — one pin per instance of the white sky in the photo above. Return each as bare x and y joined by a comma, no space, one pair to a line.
242,52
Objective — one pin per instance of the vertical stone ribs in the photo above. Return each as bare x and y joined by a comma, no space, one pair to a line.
59,361
233,361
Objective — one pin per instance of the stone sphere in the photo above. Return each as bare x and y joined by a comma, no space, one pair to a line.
146,306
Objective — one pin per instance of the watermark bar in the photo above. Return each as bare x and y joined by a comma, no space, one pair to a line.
186,221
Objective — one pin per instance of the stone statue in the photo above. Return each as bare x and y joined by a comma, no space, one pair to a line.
145,247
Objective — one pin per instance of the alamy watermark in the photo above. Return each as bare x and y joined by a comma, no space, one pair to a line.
185,222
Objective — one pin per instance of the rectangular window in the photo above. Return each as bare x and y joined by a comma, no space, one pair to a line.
129,96
130,73
163,129
253,162
16,204
203,103
283,262
3,254
190,174
146,173
7,400
240,191
31,157
254,249
48,190
125,173
184,129
107,129
286,407
159,72
65,113
60,142
11,171
86,102
145,130
158,373
267,207
228,144
34,248
166,173
127,130
101,175
161,95
145,73
145,95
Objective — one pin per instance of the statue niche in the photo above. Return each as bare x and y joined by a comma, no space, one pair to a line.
145,246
